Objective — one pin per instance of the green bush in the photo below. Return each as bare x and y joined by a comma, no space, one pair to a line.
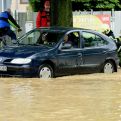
36,5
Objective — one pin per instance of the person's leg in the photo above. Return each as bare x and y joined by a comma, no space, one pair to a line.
3,32
11,34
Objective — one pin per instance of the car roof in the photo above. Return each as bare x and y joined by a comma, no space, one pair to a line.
66,29
60,28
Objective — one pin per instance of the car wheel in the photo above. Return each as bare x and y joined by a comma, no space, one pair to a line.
45,71
108,67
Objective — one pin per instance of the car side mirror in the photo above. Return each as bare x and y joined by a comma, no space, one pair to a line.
66,46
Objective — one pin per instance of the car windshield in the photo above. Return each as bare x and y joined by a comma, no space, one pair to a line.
41,37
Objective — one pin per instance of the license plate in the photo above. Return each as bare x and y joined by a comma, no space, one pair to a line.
3,68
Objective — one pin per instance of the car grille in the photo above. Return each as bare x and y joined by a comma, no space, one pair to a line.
4,60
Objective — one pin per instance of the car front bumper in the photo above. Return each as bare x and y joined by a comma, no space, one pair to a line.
18,70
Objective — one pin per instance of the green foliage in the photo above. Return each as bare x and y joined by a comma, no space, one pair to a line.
84,4
99,4
36,5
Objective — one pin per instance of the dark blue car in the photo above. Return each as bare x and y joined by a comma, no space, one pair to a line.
55,51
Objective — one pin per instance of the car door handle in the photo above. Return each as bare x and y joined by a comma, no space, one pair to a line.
104,51
79,54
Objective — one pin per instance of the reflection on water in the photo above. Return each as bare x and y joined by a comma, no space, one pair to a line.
95,97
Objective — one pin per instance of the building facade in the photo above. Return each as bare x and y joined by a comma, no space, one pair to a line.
14,5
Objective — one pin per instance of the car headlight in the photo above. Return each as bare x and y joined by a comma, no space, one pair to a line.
21,61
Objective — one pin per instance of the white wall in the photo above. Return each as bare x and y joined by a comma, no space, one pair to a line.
16,6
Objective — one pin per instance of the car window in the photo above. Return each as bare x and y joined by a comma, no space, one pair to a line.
30,38
73,39
49,38
93,40
42,37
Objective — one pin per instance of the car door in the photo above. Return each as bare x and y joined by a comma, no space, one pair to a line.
68,56
94,49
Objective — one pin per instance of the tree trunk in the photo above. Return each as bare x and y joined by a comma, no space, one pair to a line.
61,13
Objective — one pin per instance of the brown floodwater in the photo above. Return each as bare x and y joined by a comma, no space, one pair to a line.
93,97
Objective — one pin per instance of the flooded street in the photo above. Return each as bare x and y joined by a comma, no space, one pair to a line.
94,97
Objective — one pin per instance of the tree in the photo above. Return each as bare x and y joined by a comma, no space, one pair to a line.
61,13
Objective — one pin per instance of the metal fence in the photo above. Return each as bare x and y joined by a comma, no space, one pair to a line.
27,20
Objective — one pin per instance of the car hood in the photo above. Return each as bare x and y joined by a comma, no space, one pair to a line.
22,51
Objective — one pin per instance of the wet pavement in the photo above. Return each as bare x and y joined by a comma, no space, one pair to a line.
94,97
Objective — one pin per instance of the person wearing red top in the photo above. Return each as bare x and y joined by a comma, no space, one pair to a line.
43,17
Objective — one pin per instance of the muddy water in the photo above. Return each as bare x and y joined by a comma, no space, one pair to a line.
95,97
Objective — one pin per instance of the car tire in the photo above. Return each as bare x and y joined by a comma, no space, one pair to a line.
108,67
45,71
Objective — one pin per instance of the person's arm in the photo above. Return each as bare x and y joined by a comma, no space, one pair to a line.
112,34
13,22
38,20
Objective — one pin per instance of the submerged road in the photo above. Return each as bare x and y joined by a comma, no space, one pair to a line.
94,97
